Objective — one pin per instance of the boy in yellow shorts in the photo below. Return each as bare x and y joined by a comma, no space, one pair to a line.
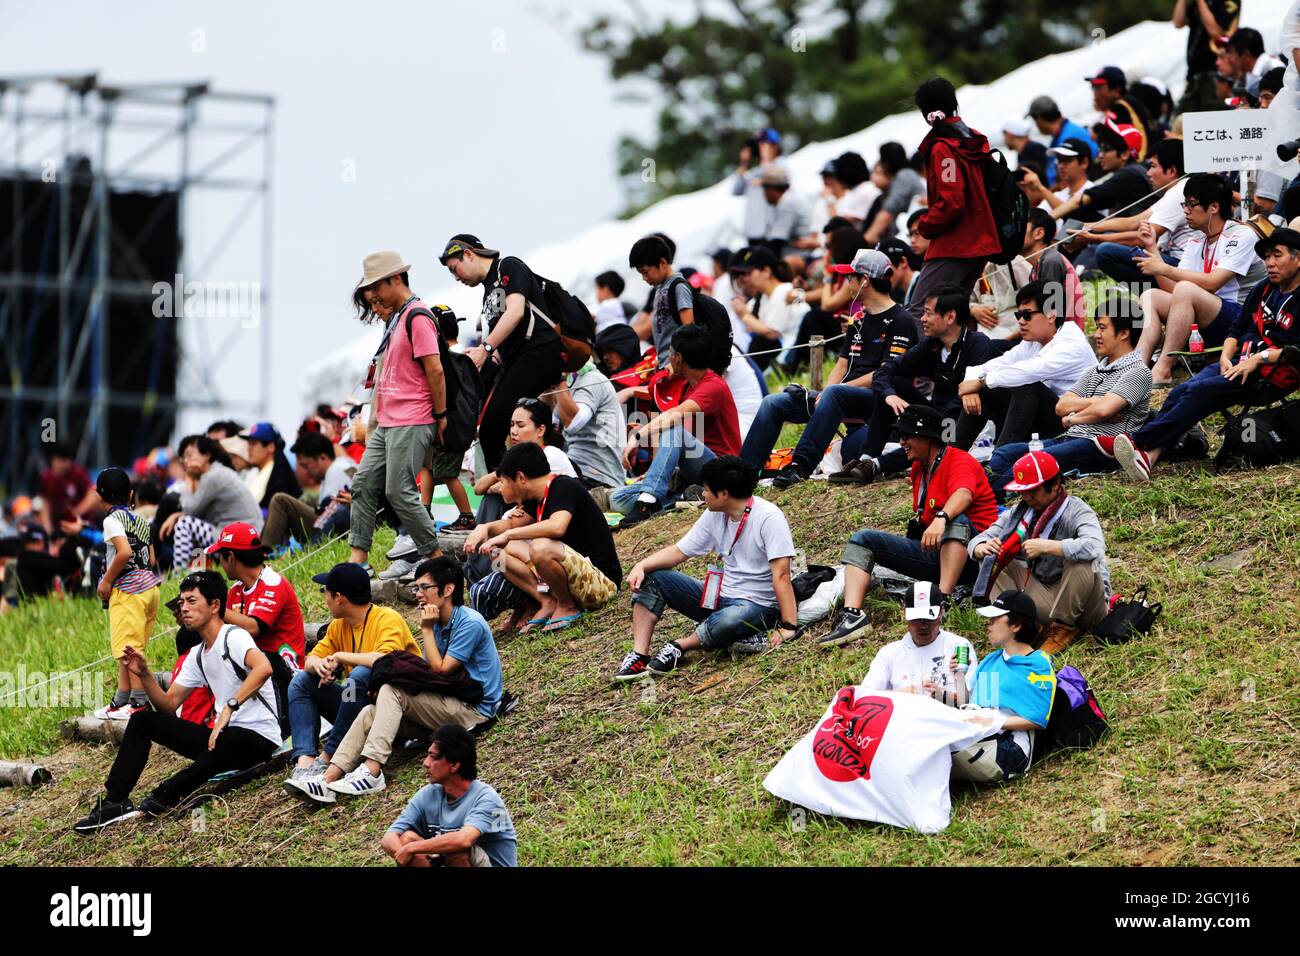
129,588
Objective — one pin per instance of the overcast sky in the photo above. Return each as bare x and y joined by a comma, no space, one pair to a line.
397,125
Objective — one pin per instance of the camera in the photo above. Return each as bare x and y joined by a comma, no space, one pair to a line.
1289,150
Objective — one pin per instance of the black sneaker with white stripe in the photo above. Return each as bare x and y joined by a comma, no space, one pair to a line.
666,661
106,813
634,667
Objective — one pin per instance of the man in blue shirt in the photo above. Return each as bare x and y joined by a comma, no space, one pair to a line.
455,638
1047,117
457,820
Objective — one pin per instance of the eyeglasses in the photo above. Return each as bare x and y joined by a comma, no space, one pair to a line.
421,588
1190,204
1024,315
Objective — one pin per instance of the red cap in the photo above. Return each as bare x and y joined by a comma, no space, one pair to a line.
239,536
1032,470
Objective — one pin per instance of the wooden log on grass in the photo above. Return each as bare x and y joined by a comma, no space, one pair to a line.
23,774
93,730
816,361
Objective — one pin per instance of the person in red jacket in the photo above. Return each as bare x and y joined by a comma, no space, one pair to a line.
959,221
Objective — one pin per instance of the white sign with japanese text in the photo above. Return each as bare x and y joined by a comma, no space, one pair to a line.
1226,140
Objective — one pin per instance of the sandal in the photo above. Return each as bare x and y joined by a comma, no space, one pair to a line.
563,623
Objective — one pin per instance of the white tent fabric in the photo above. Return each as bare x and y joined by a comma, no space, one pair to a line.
701,221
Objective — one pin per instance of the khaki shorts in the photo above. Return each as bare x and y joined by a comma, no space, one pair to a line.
131,618
445,465
587,583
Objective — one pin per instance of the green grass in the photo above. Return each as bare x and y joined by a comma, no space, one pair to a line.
1200,768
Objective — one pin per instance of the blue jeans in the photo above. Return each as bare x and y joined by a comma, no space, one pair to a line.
1194,400
1116,260
734,620
833,406
776,409
338,702
1072,454
904,555
677,449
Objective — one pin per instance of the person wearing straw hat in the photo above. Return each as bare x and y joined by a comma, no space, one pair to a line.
410,399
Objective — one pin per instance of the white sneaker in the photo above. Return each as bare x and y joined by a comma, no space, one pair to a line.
398,570
402,547
110,712
310,788
358,783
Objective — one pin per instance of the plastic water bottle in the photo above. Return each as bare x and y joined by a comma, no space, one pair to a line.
1034,443
1195,343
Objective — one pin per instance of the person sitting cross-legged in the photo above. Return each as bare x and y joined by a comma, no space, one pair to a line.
244,734
736,607
457,819
336,674
951,501
460,652
556,536
1250,367
705,405
884,330
1110,399
1051,546
924,661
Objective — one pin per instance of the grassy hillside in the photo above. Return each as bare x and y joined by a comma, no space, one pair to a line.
1201,767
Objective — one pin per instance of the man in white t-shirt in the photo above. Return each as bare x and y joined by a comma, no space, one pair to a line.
246,730
1201,290
926,661
733,605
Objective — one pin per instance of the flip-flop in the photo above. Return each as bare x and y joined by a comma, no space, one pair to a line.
561,623
529,626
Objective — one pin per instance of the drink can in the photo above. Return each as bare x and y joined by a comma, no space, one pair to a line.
963,655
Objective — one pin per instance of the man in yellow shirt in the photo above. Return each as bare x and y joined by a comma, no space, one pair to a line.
333,681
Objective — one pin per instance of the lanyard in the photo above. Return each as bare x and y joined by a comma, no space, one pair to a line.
364,621
741,527
1208,260
926,476
546,494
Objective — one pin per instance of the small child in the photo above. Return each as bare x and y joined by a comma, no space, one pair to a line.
449,326
609,308
129,588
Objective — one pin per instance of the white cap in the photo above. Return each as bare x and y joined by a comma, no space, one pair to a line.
922,607
1016,127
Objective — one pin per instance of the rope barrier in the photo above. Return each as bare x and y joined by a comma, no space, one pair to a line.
104,660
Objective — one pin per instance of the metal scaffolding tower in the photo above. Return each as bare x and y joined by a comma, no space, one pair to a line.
78,144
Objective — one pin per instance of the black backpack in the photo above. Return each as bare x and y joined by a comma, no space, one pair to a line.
1261,438
1076,720
281,674
464,385
573,323
1009,205
712,315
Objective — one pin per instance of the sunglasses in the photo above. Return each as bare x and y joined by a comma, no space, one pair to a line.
1024,315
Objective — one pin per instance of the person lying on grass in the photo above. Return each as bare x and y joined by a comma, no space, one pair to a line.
733,606
557,536
457,820
245,733
457,643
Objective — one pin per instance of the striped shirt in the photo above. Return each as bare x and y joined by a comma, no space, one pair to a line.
1130,379
139,575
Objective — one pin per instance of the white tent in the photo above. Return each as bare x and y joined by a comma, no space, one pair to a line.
701,221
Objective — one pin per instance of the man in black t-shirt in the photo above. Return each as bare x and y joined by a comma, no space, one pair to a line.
1127,182
1209,20
884,330
523,346
556,536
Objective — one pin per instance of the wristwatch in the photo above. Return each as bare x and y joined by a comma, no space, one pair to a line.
441,414
940,513
233,703
787,626
489,348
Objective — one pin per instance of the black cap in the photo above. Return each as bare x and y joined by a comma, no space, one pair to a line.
899,249
1110,76
1008,602
34,532
114,485
753,257
1072,147
347,579
921,421
465,242
828,168
1279,237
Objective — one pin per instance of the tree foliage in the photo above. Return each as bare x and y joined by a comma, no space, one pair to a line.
814,69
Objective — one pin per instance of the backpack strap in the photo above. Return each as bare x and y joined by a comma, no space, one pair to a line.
241,672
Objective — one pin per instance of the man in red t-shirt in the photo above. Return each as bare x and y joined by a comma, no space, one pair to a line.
952,501
697,423
261,600
66,489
